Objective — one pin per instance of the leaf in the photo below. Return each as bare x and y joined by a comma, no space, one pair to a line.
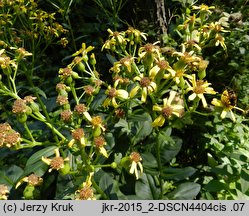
146,189
169,146
98,100
177,173
244,180
149,163
11,175
185,191
111,58
215,186
106,184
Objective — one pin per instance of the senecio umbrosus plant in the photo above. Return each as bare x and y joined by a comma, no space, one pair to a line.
113,139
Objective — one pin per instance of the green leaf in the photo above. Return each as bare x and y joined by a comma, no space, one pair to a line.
141,127
244,180
11,175
111,58
169,146
215,186
185,191
146,189
177,173
149,163
106,184
98,100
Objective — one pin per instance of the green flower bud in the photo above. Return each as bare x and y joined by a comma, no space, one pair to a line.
28,111
22,118
69,80
65,170
75,75
85,58
34,106
97,131
81,67
28,192
114,165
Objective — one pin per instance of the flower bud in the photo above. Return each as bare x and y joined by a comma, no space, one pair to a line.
22,118
28,192
81,67
65,170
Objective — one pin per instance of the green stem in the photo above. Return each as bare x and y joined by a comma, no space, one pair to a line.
159,162
99,190
28,131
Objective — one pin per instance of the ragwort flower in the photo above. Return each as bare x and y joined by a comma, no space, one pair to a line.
33,180
168,109
147,85
100,143
199,88
78,136
135,159
227,103
86,192
55,163
4,191
113,94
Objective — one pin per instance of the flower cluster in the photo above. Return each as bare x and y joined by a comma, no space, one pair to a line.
8,137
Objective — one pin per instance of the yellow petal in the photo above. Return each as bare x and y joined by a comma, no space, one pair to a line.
122,94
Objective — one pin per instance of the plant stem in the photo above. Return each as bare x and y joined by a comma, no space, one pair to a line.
99,190
159,165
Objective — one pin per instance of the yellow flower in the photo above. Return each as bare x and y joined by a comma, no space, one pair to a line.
136,34
169,108
199,88
112,94
78,136
57,162
118,36
33,180
84,50
125,62
227,103
86,192
147,85
3,192
219,40
149,49
100,143
203,8
135,159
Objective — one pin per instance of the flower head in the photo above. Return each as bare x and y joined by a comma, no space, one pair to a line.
100,143
169,108
55,163
227,103
78,136
146,84
199,88
113,94
135,160
33,180
86,192
8,136
3,192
